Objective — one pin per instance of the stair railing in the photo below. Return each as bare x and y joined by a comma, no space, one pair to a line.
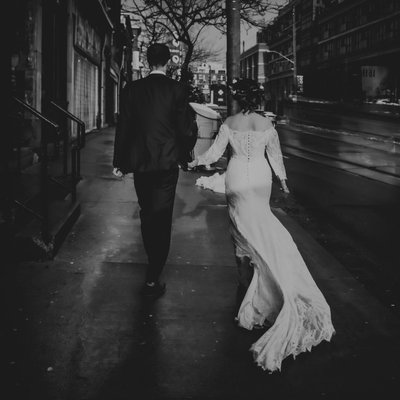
43,216
76,145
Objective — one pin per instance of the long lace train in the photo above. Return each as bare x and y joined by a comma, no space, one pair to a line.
299,313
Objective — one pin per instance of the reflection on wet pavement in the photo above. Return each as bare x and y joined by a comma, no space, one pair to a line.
378,156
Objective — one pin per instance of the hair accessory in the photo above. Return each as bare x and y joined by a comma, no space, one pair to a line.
245,87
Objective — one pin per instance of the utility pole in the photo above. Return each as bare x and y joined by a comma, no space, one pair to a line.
294,51
232,48
210,100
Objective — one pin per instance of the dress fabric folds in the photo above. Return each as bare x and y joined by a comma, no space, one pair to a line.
215,182
282,291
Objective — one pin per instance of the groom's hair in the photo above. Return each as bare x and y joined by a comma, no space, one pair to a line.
158,54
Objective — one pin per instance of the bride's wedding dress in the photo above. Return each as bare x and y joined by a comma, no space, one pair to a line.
282,290
215,182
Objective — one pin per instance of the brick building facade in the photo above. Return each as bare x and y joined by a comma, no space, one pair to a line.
344,50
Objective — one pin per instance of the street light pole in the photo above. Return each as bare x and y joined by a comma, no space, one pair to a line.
209,84
232,48
294,52
280,54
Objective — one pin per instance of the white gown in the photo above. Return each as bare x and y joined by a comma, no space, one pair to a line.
282,290
215,182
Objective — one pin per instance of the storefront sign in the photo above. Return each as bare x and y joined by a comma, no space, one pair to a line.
300,84
374,80
175,50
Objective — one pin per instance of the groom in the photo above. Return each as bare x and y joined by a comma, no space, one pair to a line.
154,135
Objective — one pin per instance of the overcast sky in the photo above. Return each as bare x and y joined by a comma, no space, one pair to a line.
247,35
215,40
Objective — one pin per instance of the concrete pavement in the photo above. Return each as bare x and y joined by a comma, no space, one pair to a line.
77,327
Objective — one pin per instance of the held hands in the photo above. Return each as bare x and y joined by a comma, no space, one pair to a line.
117,172
193,164
284,187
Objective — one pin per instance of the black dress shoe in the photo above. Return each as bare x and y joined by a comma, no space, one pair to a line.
153,290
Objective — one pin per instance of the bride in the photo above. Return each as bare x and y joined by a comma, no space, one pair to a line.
282,292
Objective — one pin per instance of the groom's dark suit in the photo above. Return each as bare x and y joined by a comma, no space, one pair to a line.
154,135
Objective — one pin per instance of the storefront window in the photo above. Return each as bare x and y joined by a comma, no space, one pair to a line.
86,91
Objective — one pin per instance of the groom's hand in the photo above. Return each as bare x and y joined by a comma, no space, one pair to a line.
184,166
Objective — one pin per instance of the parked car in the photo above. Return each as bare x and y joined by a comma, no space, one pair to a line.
383,101
268,114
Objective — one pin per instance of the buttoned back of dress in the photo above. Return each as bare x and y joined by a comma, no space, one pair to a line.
247,145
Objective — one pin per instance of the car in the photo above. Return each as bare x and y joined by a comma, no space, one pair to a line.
268,114
383,101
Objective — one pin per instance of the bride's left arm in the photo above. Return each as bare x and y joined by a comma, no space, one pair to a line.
274,152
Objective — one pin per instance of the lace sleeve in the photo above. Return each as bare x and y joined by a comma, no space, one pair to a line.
274,153
214,153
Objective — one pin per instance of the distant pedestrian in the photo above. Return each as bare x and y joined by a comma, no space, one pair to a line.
154,136
281,294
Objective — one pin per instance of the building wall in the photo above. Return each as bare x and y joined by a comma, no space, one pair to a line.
209,78
58,54
85,105
26,54
280,38
352,35
335,40
26,67
87,61
253,63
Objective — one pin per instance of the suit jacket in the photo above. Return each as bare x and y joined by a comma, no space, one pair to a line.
155,129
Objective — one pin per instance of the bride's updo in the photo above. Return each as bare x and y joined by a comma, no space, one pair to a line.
248,93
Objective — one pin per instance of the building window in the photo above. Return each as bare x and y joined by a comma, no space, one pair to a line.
86,80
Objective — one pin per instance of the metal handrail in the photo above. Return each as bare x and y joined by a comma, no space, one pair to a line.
81,124
44,200
75,150
66,112
36,113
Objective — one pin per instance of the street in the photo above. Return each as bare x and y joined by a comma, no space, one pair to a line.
373,156
347,191
375,123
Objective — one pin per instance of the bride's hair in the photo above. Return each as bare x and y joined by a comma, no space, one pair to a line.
248,93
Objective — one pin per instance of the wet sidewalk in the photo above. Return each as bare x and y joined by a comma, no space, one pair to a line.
79,329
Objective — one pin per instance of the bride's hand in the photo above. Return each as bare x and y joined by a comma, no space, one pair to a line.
284,187
117,172
193,164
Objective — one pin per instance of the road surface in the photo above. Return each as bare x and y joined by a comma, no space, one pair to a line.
346,191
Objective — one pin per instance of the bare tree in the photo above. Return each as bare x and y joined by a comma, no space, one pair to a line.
204,51
186,19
